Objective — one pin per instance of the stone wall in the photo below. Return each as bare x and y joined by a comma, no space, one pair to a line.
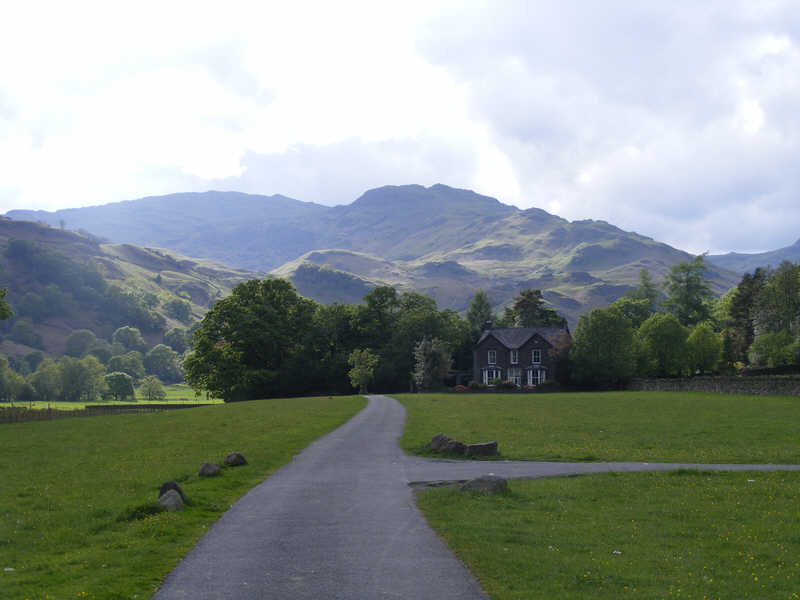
755,385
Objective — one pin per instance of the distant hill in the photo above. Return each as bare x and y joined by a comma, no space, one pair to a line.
59,281
441,241
747,263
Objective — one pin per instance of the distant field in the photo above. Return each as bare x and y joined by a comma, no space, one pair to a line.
685,534
612,426
66,484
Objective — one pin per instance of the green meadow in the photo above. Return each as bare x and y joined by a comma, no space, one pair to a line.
76,495
612,426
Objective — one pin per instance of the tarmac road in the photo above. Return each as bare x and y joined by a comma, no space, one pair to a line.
340,521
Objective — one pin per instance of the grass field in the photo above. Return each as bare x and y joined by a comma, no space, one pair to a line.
69,488
613,426
685,534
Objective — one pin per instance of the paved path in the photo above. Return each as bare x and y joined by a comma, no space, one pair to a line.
340,521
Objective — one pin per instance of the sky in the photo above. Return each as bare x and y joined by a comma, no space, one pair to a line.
678,120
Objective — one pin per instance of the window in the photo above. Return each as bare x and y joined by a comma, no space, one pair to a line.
492,357
536,376
490,375
514,357
536,356
515,375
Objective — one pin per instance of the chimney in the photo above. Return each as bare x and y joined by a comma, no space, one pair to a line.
487,325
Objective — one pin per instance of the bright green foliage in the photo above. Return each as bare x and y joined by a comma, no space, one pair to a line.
11,383
646,290
603,353
530,311
151,389
432,363
162,362
129,338
637,310
130,363
688,293
777,305
175,338
363,363
81,380
705,349
5,309
774,350
664,344
478,313
46,381
120,385
79,342
250,344
179,309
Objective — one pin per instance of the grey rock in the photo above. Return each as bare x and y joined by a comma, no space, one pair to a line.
171,485
455,447
486,484
171,500
208,469
485,449
438,441
235,459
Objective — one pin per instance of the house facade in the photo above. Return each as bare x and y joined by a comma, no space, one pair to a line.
526,356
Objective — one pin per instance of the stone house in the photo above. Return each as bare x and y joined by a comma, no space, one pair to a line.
526,356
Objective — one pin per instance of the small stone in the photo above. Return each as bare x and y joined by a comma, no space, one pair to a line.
208,469
171,485
438,441
235,459
485,449
9,569
486,484
171,500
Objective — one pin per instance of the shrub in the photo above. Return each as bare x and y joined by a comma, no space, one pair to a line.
478,386
507,385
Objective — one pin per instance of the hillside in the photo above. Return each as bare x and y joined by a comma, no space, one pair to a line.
747,263
59,281
440,241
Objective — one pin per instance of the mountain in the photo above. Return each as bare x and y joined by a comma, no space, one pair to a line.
59,281
747,263
440,241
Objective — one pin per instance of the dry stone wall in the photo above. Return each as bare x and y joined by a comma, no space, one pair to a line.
759,385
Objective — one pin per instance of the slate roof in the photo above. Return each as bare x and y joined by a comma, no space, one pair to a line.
517,336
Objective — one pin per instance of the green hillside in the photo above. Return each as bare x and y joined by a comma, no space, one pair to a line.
747,263
59,281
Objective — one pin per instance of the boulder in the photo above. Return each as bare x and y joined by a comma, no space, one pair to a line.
438,441
208,469
171,500
454,447
486,484
485,449
171,485
235,459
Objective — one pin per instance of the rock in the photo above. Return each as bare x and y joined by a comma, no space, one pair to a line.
235,459
171,500
485,449
171,485
455,447
438,441
486,484
208,469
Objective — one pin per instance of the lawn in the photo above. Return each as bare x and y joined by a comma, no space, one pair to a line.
612,426
685,534
68,487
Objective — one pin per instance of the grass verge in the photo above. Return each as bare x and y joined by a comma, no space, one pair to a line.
72,490
689,534
612,426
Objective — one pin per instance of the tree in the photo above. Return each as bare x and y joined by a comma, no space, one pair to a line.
637,310
46,381
5,308
478,313
704,349
742,313
130,338
777,304
130,363
175,338
120,385
179,309
774,349
530,311
432,362
79,342
151,389
162,362
646,290
603,353
251,344
688,293
363,363
664,343
81,380
23,332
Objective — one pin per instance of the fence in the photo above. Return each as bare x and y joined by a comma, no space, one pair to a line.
19,414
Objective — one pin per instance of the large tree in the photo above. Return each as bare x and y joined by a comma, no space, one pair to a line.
479,313
250,344
530,310
432,363
603,354
688,293
664,343
363,363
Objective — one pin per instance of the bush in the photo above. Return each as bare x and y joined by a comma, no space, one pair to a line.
507,385
478,386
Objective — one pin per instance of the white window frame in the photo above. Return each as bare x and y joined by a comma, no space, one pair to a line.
491,357
515,375
514,357
496,374
536,356
536,376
